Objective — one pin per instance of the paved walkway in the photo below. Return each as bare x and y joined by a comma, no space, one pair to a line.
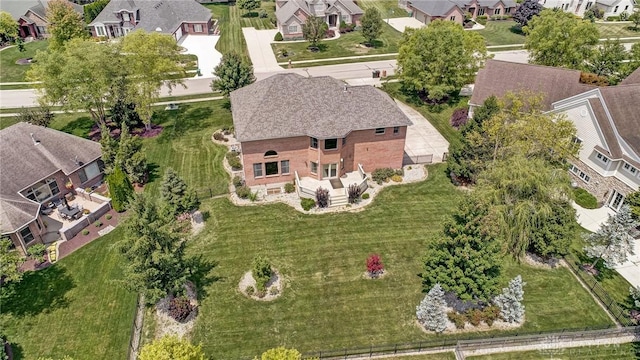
422,138
260,52
204,47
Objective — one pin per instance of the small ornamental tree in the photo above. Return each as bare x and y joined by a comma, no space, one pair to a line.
527,10
371,23
633,201
171,348
635,18
314,30
431,312
248,5
232,73
281,353
613,241
109,149
459,117
120,189
374,265
261,272
510,301
322,197
175,192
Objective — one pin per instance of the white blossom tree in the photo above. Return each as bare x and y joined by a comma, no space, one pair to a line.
613,242
431,312
510,301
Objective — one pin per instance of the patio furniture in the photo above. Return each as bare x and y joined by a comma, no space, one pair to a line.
46,210
70,213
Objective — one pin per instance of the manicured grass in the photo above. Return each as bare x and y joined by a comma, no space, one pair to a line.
349,44
345,61
610,352
438,356
387,8
502,33
75,308
326,303
617,30
439,116
12,72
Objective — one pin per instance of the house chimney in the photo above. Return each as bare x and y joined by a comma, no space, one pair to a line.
33,138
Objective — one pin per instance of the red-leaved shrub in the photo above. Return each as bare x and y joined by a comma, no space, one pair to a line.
459,117
374,265
180,308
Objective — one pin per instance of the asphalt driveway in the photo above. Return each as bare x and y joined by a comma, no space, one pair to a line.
204,47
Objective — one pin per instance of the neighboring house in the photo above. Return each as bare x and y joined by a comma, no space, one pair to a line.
427,11
174,17
291,14
31,16
36,165
579,7
606,118
315,129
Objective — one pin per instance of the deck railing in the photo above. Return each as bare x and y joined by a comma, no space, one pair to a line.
304,191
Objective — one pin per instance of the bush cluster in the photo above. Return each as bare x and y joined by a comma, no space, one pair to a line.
383,174
97,223
234,160
278,36
307,204
243,192
261,272
322,197
396,178
108,217
459,117
85,232
180,308
289,188
482,19
488,315
220,137
237,181
345,28
365,196
354,193
585,199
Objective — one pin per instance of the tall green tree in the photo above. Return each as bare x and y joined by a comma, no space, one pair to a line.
120,189
130,157
613,242
171,348
232,73
608,61
440,58
154,251
558,38
175,192
524,195
82,76
109,149
633,201
64,23
8,26
10,262
314,29
466,257
152,60
371,23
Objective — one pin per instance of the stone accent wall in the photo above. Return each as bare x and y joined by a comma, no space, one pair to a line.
600,186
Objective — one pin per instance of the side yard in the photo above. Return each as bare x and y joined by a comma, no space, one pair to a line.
12,72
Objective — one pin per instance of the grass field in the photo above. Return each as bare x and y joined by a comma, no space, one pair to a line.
349,44
387,8
12,72
609,352
75,308
617,30
502,33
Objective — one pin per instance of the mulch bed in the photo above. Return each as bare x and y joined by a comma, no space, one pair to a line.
114,131
80,240
146,134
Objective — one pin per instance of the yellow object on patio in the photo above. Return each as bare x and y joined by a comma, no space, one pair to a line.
53,253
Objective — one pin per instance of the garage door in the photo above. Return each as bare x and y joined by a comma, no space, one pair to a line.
178,34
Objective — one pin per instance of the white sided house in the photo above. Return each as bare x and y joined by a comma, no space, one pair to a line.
579,7
292,14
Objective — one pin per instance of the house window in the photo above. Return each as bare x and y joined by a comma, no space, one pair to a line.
197,27
330,144
602,158
314,167
293,29
345,18
589,4
574,169
257,170
89,172
496,12
42,30
507,11
480,11
577,140
615,9
314,143
270,153
271,168
584,177
126,17
396,129
379,131
284,166
100,31
626,8
452,18
26,235
630,168
43,190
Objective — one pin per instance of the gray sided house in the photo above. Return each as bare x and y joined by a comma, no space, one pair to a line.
39,166
31,16
292,14
607,120
173,17
455,10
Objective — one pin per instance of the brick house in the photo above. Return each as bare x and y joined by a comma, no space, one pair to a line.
36,165
293,127
291,14
427,11
606,120
174,17
31,16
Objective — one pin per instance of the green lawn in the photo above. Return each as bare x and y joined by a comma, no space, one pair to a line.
502,33
12,72
608,352
617,30
439,356
349,44
75,307
387,8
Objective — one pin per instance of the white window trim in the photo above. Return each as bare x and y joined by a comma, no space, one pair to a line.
197,28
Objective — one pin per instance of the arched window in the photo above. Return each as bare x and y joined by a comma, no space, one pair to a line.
270,153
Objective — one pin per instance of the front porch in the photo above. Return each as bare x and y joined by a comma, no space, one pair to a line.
338,187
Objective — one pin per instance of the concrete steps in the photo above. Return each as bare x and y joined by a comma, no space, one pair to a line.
338,200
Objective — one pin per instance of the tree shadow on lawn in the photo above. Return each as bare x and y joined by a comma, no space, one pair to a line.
201,273
319,47
80,127
153,172
375,44
39,292
16,351
251,14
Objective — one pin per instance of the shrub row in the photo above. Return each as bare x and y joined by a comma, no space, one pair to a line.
234,160
488,315
383,174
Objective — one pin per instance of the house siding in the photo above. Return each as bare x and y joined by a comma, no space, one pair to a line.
600,186
189,28
37,232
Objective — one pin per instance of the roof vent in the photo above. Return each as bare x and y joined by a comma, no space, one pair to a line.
344,89
33,138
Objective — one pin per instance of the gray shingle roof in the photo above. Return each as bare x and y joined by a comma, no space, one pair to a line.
434,7
17,8
286,11
23,163
164,14
624,106
499,77
289,105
